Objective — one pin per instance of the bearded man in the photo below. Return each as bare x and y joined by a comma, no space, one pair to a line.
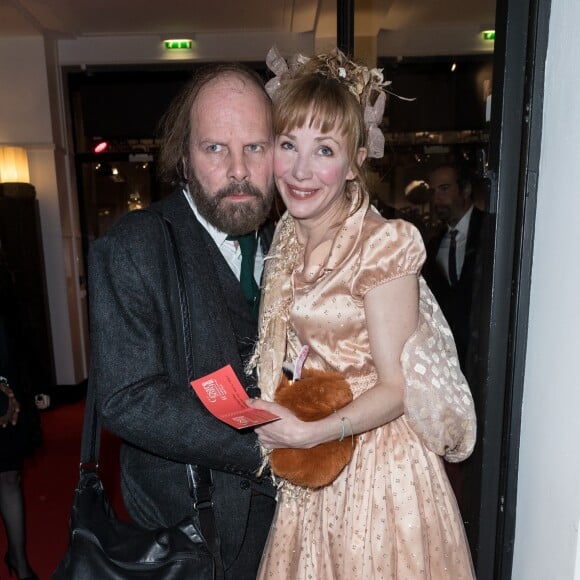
218,150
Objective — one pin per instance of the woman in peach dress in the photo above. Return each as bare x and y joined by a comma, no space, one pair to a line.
346,282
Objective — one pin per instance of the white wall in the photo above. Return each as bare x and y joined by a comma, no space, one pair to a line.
548,504
29,117
25,112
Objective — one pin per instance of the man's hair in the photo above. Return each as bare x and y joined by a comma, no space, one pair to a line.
175,126
463,174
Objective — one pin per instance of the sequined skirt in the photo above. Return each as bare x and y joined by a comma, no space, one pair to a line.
391,514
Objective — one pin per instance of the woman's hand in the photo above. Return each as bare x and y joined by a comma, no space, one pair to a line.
286,432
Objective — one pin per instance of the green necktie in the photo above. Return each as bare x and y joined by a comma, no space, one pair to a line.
248,244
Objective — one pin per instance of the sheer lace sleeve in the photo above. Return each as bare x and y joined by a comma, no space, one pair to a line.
438,402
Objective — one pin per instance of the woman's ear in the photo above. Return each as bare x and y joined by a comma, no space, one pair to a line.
361,155
360,159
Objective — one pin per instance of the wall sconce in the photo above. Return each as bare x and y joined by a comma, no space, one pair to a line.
14,174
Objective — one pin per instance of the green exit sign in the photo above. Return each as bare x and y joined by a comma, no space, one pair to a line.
178,44
488,35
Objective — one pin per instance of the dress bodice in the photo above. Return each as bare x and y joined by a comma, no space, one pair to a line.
327,311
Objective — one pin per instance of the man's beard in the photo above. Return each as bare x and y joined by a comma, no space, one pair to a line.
443,212
235,218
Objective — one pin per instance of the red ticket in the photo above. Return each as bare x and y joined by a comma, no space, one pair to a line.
224,397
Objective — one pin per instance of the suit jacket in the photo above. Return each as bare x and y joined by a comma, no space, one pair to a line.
137,368
455,301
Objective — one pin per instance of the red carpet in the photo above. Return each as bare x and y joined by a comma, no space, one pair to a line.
49,480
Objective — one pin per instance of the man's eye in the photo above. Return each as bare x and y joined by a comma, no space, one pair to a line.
255,148
214,148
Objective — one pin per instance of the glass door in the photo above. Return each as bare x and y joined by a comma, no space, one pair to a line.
111,185
485,121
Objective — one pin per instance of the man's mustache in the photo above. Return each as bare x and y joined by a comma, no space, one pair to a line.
235,189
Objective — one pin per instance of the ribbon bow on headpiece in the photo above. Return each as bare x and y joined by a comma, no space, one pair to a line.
276,63
373,116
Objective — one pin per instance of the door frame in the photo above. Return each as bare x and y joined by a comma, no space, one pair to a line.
513,165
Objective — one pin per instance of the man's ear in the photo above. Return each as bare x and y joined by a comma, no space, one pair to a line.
467,191
184,167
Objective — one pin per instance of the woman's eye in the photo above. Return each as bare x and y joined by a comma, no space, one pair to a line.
286,145
325,151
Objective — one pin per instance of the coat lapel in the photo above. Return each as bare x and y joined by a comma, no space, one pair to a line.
214,338
472,244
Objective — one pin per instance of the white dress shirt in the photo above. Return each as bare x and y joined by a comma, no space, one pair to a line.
229,249
462,228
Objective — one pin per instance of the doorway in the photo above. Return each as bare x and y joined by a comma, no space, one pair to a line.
498,150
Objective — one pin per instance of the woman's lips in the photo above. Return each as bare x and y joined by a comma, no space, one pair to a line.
300,192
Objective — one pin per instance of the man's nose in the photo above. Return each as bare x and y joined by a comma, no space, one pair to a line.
238,167
437,197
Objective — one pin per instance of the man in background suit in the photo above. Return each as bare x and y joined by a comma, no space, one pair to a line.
218,149
451,254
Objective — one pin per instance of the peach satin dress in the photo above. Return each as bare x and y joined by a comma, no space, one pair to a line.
391,513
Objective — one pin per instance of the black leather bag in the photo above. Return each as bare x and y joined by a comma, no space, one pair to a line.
102,547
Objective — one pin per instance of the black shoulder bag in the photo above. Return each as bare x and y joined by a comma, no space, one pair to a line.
102,546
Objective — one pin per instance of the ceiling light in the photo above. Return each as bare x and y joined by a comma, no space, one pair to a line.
453,67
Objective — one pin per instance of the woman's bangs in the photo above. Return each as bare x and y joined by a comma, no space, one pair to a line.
320,112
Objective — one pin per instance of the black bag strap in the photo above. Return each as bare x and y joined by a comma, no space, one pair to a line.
199,476
91,440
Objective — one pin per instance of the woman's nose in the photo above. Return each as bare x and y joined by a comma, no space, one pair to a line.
301,169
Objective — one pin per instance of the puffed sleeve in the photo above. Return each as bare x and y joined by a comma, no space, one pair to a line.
438,403
390,249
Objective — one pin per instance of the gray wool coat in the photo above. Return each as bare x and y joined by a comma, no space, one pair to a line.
138,371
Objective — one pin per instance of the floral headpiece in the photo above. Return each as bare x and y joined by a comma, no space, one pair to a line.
365,84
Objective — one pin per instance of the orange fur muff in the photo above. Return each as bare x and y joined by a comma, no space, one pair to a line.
315,396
